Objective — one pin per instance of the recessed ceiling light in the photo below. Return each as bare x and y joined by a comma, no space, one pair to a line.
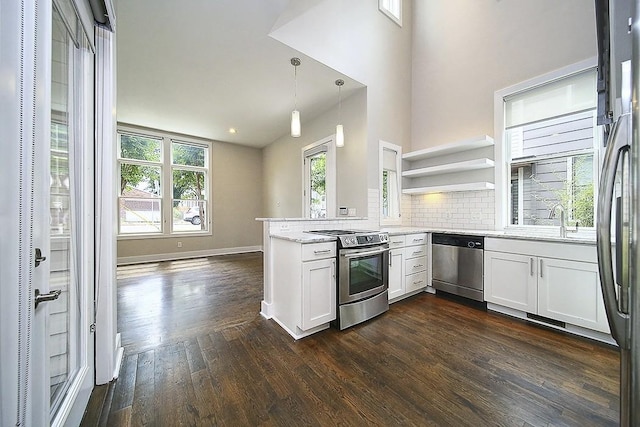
233,130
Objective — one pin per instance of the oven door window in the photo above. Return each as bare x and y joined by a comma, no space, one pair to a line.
365,274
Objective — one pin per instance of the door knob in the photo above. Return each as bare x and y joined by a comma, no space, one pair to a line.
53,295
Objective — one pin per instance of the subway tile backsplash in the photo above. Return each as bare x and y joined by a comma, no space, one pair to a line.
471,210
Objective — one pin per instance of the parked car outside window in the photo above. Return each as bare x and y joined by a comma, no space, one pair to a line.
193,215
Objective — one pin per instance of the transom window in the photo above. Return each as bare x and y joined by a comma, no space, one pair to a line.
551,146
163,185
393,9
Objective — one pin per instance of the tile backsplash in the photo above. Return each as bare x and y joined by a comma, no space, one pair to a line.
471,210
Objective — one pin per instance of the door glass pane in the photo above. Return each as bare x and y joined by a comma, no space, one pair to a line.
63,325
317,189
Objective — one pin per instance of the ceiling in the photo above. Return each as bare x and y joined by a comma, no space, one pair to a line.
200,67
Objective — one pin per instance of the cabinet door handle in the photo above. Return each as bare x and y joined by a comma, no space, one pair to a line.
390,260
326,251
540,267
531,265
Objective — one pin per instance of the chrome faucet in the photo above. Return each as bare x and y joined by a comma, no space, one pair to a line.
552,214
563,224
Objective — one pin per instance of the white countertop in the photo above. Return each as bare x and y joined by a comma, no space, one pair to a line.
303,237
584,239
338,218
518,234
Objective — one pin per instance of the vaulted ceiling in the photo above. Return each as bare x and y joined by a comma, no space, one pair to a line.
200,67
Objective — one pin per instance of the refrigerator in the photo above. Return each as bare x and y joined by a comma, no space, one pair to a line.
618,204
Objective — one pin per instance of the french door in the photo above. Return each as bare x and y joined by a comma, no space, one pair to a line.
46,255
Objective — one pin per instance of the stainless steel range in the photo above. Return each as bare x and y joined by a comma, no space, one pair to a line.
363,275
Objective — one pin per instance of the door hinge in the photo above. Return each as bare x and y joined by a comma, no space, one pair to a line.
92,328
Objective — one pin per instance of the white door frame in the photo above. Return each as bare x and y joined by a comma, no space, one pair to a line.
25,105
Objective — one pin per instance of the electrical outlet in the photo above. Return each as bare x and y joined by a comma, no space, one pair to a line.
284,226
179,244
352,211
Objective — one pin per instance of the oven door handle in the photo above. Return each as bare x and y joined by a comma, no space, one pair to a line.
365,253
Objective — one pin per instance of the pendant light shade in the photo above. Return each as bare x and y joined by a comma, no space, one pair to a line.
339,128
339,136
295,114
295,123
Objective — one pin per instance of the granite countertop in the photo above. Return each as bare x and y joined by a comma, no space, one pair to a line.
518,234
302,237
588,238
338,218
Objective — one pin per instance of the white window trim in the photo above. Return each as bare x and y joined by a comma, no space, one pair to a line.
330,183
398,149
502,172
389,14
167,137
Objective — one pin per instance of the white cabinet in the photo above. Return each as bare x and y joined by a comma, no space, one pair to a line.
318,293
396,273
407,264
554,280
569,291
304,285
510,280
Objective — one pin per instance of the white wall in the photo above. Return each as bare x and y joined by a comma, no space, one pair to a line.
282,162
465,50
356,39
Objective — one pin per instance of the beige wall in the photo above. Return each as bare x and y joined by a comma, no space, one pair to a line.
465,50
282,164
236,195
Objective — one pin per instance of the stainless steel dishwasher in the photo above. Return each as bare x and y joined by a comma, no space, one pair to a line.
457,264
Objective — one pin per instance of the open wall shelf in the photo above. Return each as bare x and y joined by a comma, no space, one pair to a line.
470,186
444,165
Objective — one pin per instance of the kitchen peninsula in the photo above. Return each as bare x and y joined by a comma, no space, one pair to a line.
533,276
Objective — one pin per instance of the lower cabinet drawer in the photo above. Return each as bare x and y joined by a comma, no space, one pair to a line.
416,281
415,265
313,251
415,251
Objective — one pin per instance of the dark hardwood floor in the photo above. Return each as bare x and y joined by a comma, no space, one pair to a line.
198,353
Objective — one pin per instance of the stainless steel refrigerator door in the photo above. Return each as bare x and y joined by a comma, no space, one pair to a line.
634,261
615,297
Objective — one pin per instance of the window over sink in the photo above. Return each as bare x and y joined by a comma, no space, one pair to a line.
549,150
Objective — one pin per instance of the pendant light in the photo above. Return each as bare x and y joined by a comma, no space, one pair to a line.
339,129
295,114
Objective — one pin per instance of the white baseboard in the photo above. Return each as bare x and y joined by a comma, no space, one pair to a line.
186,255
119,356
573,329
266,310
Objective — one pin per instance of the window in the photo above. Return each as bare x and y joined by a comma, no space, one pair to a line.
550,149
393,9
319,190
162,178
390,183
